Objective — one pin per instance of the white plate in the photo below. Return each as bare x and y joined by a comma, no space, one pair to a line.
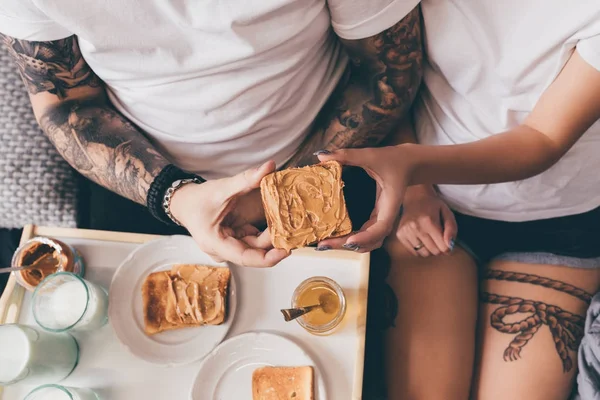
226,374
126,315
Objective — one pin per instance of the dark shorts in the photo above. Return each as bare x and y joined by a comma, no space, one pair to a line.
572,241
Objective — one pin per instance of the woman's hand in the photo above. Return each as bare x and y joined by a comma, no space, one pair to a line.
427,226
388,167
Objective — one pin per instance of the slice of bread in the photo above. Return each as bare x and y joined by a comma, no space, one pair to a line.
188,295
283,383
305,205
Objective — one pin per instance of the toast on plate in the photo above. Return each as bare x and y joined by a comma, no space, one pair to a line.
187,295
305,205
283,383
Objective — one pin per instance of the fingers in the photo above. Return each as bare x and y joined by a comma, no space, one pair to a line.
450,227
262,241
334,243
429,231
417,247
238,252
246,181
221,246
407,245
374,232
246,230
425,233
427,243
356,157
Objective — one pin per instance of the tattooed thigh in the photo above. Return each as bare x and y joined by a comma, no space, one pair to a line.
531,324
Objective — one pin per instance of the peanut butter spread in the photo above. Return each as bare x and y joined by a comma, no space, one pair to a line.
194,295
46,260
305,205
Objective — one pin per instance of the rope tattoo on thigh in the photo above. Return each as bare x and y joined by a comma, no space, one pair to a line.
539,280
566,327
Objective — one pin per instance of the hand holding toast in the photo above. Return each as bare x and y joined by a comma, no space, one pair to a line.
385,166
208,212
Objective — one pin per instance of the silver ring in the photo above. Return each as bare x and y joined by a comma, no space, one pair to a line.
419,247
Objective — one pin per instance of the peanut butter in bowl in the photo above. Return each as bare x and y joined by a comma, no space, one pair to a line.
46,256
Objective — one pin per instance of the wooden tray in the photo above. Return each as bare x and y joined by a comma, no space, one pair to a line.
107,367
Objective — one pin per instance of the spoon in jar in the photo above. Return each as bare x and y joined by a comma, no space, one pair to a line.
290,314
35,263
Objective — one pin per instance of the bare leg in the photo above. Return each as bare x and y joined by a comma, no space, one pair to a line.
531,323
430,351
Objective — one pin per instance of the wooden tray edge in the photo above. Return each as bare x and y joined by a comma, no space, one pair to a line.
361,323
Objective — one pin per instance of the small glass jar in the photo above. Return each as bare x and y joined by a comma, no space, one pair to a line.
32,356
64,301
324,291
57,392
62,258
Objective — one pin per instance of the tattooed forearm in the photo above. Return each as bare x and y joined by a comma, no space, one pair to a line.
566,327
383,81
79,120
52,67
103,146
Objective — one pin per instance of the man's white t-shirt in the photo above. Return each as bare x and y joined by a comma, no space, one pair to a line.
489,63
223,85
218,85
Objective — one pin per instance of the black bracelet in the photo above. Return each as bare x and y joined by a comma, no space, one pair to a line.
158,188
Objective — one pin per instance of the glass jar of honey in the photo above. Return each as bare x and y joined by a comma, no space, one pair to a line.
325,292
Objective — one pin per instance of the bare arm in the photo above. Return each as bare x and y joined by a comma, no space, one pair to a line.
71,106
562,115
368,106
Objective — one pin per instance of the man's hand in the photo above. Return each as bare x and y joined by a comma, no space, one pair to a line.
220,223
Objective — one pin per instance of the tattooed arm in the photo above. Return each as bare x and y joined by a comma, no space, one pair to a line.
73,110
71,106
367,108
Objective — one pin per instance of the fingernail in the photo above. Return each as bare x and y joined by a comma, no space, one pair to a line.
451,244
259,233
323,248
351,246
321,152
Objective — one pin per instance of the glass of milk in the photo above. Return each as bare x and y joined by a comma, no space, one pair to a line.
65,301
57,392
35,357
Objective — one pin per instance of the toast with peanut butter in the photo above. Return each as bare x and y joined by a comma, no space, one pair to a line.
186,296
283,383
305,205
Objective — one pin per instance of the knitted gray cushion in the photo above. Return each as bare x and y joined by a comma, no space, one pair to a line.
36,184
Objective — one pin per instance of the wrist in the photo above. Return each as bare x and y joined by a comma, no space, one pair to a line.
178,205
175,190
418,192
162,189
407,162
